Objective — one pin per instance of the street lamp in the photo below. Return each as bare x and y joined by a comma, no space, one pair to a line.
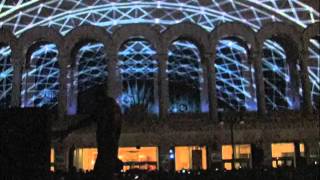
232,121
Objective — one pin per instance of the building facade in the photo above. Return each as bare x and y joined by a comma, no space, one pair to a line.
200,83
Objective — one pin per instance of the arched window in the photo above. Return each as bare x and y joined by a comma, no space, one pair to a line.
233,74
40,82
90,69
185,77
314,70
276,75
6,73
138,70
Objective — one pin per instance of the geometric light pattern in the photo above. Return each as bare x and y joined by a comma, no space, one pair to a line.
275,73
138,70
6,73
22,15
40,78
314,71
231,65
91,66
185,77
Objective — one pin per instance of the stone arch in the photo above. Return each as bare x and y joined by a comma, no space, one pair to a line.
289,36
132,31
312,30
10,39
28,40
133,34
85,34
39,34
281,29
233,29
247,39
7,38
186,31
197,101
74,40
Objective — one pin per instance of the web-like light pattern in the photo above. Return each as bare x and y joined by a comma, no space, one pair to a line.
6,72
40,82
231,65
138,70
65,15
314,71
275,71
185,77
91,66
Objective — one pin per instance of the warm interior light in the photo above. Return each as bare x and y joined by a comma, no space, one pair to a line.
52,159
283,154
242,153
190,157
145,158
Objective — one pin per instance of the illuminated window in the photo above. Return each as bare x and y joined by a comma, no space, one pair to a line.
283,154
145,158
138,70
242,156
190,157
184,72
52,155
40,83
6,73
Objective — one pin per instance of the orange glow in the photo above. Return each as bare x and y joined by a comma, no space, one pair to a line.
242,151
227,152
282,150
52,159
85,158
143,158
184,157
284,154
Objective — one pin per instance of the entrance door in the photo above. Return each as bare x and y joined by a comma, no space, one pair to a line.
196,159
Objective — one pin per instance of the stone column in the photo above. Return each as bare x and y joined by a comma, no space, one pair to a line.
72,89
214,156
305,81
63,87
114,77
16,83
213,107
163,86
256,59
166,163
61,156
267,153
156,90
292,89
312,151
204,90
250,98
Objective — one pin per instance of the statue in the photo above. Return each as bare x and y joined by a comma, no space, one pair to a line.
106,113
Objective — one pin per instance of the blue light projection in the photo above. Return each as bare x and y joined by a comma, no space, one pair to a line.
6,72
185,77
231,65
138,70
22,15
40,83
91,66
275,72
314,71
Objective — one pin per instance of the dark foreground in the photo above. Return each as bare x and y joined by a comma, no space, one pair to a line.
308,173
